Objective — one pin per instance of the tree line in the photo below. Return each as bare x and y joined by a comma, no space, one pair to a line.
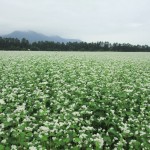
24,44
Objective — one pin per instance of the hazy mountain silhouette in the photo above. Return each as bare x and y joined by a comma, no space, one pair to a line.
32,36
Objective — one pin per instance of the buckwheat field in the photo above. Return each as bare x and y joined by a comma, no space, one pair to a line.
74,101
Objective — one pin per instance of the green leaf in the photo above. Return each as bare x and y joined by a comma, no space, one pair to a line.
107,139
1,147
77,140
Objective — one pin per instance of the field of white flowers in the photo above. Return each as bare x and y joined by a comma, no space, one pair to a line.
74,100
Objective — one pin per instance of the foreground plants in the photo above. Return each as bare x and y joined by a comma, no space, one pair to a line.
53,101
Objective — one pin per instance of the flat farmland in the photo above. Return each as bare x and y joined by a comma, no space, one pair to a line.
74,100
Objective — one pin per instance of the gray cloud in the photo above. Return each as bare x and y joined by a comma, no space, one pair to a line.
88,20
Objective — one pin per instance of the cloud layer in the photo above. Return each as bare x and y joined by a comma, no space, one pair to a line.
88,20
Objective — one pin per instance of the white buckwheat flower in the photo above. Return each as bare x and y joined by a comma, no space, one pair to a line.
32,148
2,102
13,147
43,128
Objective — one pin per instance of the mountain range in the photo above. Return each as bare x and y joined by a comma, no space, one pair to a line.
32,36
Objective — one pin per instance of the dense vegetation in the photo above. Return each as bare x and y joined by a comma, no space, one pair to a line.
15,44
73,101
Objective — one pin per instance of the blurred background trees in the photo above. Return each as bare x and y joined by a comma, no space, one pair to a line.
16,44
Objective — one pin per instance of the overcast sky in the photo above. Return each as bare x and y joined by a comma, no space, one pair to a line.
89,20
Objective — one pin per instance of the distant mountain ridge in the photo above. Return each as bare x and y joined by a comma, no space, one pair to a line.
32,36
